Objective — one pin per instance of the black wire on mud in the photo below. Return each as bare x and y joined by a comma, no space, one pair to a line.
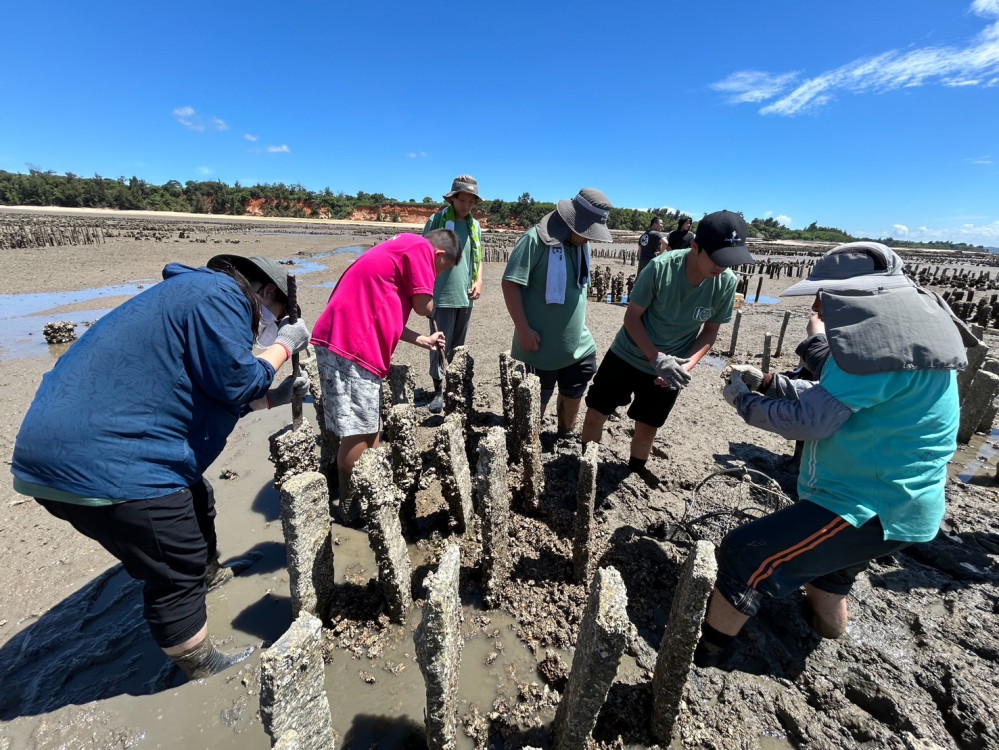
735,499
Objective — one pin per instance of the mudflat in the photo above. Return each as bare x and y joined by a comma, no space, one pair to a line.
917,667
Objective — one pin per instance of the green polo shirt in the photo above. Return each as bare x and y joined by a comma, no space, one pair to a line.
451,287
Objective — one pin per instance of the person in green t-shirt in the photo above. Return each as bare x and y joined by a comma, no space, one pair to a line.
545,286
456,290
674,312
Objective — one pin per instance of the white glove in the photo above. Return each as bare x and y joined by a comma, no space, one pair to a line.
735,389
290,386
669,369
751,376
293,336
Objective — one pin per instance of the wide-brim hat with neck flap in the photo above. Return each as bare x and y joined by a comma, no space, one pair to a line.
463,183
587,215
268,266
855,266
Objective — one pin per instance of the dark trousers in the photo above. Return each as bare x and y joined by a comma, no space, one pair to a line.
164,542
453,323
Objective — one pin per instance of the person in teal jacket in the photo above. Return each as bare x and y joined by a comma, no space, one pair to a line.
456,290
879,428
121,431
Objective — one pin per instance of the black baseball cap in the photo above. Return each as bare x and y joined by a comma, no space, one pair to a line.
722,235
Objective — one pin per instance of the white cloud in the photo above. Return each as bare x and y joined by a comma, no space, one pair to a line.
251,138
973,234
219,124
417,154
205,170
980,160
282,149
785,220
973,64
186,117
900,229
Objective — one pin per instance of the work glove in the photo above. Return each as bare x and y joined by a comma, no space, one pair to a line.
735,388
293,336
290,386
751,376
669,369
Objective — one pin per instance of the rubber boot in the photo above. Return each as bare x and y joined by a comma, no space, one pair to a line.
205,660
437,403
216,574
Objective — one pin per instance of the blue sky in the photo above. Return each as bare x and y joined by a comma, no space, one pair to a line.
878,117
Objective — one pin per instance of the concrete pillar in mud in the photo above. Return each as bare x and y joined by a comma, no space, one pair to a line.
306,522
583,554
459,392
976,356
767,342
292,686
603,635
977,400
735,333
400,434
683,631
506,363
381,501
329,442
398,388
453,471
783,330
438,651
293,451
290,740
989,414
528,429
514,439
494,501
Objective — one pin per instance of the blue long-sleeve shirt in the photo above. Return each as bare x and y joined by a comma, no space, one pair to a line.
142,404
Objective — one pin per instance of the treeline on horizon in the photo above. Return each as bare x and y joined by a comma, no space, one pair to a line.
38,188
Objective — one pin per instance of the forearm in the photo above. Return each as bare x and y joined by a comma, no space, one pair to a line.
815,415
701,346
275,355
636,329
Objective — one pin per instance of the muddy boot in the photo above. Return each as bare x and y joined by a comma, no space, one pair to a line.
437,402
205,660
216,574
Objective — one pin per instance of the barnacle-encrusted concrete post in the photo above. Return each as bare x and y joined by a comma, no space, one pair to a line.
528,428
398,388
459,393
400,433
438,650
514,439
683,630
494,500
506,364
583,556
453,471
381,501
603,635
329,442
293,451
977,400
292,689
305,520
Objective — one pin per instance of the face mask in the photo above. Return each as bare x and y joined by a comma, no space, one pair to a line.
267,330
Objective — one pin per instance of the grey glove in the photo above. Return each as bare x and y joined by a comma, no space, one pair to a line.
669,369
751,376
294,336
735,389
290,386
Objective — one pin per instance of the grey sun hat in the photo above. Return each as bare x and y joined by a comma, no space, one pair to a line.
586,215
269,267
855,266
463,183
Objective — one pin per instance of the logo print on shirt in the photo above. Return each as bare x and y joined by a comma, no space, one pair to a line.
702,314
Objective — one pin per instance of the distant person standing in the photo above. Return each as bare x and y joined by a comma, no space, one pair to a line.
681,237
651,243
545,286
457,289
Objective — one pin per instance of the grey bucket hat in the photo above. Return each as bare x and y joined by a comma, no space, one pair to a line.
463,183
855,266
587,215
269,267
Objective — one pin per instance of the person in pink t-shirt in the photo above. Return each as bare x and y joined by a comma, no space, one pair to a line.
363,322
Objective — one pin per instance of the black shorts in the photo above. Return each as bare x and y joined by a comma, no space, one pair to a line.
165,543
615,383
572,380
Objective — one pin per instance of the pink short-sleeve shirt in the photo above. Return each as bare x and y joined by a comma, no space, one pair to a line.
367,312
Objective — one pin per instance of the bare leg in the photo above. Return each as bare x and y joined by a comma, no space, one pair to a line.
829,610
351,449
593,426
190,644
641,441
568,410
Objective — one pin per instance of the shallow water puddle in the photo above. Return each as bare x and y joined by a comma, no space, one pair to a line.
982,465
763,300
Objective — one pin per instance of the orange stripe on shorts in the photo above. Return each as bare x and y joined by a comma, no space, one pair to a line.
768,566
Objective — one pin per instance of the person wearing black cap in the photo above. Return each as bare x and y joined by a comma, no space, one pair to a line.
121,431
674,312
879,429
651,243
545,286
681,237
